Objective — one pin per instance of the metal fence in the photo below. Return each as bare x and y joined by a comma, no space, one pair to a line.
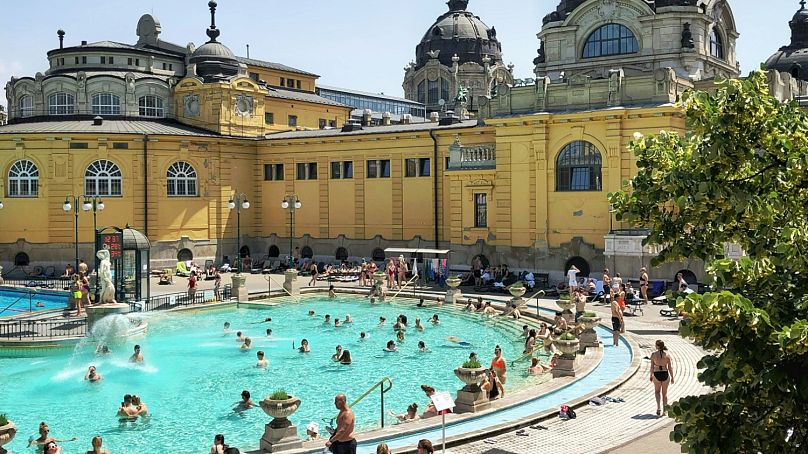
174,300
42,329
43,283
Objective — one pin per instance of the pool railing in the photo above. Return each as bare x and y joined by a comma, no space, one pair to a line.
39,282
174,300
42,329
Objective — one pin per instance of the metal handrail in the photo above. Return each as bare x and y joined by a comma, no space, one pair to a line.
378,384
30,307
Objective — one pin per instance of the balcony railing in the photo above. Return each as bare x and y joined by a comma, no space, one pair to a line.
472,157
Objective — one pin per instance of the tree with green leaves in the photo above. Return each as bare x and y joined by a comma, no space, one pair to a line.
740,175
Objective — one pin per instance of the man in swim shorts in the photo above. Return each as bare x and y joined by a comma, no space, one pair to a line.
343,441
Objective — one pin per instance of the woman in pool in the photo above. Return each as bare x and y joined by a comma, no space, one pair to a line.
269,332
304,346
400,336
346,357
327,319
226,328
331,293
530,342
434,320
92,375
410,415
45,438
422,347
418,324
138,407
337,323
218,445
348,318
381,321
492,386
363,336
240,336
52,448
498,365
430,407
336,357
391,347
536,367
546,338
311,313
97,449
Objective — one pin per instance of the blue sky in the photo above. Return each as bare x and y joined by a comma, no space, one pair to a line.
360,44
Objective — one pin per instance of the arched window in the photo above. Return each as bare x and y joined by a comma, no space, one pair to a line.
26,106
795,72
306,252
578,167
106,104
274,252
181,178
341,254
23,179
422,92
444,89
21,259
151,106
184,255
716,44
103,178
61,104
610,39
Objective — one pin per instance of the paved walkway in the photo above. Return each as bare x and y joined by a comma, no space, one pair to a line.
615,425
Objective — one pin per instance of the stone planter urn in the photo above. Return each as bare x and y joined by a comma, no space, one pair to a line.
588,338
7,433
471,398
238,290
565,364
280,434
291,283
517,292
566,306
567,347
379,277
453,293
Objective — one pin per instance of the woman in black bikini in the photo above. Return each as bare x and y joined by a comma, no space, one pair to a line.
661,374
644,285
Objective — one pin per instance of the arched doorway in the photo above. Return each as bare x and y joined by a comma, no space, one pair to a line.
341,254
378,255
244,252
184,255
274,252
579,263
689,276
483,259
306,252
21,259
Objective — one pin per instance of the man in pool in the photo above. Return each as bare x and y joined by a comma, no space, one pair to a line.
247,344
226,328
92,375
381,321
136,357
269,332
311,313
391,347
245,403
123,410
342,441
240,336
327,320
262,362
362,336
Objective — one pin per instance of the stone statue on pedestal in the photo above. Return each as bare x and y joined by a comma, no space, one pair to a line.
107,295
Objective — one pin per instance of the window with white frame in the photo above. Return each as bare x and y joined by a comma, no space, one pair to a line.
26,106
106,104
23,179
103,178
151,106
181,178
61,104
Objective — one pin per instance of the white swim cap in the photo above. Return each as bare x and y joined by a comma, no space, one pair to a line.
313,427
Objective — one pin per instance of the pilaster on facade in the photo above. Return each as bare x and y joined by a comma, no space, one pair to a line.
397,175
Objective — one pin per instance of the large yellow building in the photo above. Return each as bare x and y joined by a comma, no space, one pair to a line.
184,130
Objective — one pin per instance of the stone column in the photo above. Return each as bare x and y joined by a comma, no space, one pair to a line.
239,290
291,283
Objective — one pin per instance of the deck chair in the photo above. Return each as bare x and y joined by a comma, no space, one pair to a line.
657,288
182,270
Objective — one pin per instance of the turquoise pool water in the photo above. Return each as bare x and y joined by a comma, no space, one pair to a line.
19,301
193,373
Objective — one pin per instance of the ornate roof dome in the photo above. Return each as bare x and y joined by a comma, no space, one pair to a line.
793,58
214,61
460,32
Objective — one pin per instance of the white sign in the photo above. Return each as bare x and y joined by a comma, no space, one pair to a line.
442,401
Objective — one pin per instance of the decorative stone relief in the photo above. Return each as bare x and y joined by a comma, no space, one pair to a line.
244,105
191,105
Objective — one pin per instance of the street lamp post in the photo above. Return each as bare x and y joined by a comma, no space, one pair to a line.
611,210
72,203
237,202
96,204
90,203
291,202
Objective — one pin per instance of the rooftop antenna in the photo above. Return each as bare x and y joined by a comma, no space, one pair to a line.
248,51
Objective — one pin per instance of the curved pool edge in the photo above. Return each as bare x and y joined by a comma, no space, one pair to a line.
368,439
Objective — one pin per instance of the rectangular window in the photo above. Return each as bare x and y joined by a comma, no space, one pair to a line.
171,66
83,60
322,123
306,171
342,170
481,210
129,61
347,170
137,62
79,145
77,60
384,168
120,146
447,159
269,118
290,83
297,83
254,77
580,179
410,167
283,81
111,60
273,172
103,60
332,123
423,167
164,67
336,170
293,120
373,169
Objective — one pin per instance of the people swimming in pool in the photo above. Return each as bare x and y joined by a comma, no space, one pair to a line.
458,341
337,323
400,336
348,318
410,415
391,347
44,437
124,408
363,336
226,328
266,320
102,349
311,313
331,293
338,355
136,357
39,304
327,320
245,403
434,320
240,336
92,375
247,344
381,321
418,324
304,346
346,357
422,347
138,408
262,362
269,332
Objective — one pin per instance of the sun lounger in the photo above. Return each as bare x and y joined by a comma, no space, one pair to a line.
182,270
